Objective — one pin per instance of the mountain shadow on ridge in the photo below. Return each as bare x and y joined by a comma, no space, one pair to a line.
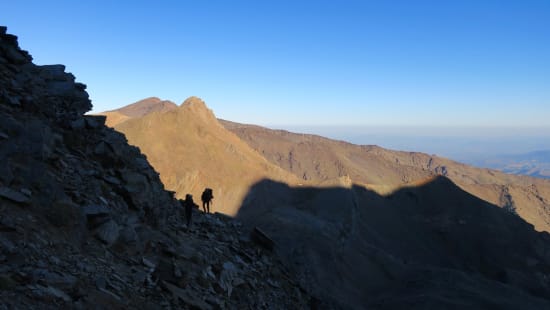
433,245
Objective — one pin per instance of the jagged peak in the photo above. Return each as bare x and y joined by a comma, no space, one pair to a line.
194,101
198,107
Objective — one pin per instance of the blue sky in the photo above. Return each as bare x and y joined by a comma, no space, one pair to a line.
361,63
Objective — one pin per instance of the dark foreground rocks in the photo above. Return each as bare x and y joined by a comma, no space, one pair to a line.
212,265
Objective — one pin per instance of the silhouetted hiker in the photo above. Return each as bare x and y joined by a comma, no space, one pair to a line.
206,198
188,205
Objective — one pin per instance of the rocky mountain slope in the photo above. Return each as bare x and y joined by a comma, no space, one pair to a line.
320,159
191,150
86,223
366,227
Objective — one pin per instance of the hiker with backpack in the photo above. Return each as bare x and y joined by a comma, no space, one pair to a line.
206,198
188,205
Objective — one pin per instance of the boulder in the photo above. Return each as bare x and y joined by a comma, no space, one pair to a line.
53,72
78,124
13,195
261,238
108,232
95,121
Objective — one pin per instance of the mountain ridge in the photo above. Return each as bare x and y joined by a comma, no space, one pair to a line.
137,109
321,158
314,159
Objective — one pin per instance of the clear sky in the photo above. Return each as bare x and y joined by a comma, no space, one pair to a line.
429,63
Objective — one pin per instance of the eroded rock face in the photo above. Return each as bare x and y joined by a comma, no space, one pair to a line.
49,148
46,90
81,210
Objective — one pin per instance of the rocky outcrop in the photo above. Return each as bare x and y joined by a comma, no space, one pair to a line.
52,153
86,223
43,90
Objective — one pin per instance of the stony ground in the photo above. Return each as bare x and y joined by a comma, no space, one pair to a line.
211,265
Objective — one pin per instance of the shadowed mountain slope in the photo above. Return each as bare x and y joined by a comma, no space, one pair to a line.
318,159
429,246
191,150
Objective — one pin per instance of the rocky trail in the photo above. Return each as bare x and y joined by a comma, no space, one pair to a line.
212,265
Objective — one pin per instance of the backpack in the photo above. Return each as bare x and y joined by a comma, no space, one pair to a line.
207,194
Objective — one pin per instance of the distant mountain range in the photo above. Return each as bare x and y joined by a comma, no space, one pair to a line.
360,225
535,164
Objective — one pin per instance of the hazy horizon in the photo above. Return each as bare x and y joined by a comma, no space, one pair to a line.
465,144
